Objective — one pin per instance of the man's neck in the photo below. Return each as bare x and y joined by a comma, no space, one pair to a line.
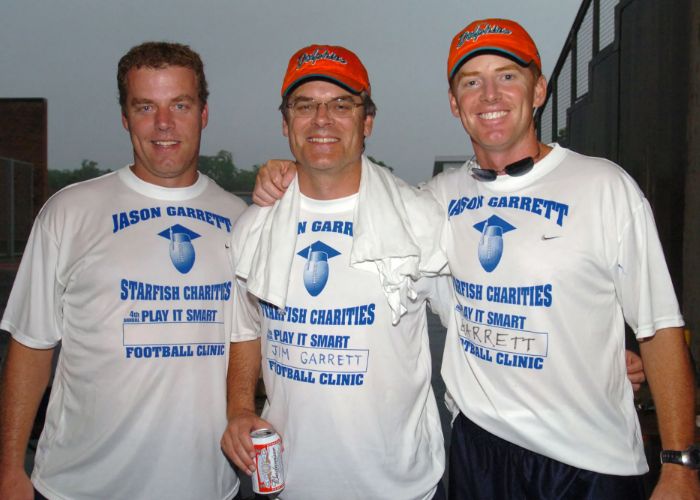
497,160
185,179
320,185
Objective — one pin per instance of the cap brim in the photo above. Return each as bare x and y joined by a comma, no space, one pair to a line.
323,77
498,51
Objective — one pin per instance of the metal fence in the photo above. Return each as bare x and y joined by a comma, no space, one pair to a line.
593,30
16,203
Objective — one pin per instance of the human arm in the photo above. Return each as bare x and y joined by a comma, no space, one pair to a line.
25,377
635,369
668,369
272,181
242,378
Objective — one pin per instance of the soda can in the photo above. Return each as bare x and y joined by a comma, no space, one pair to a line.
269,471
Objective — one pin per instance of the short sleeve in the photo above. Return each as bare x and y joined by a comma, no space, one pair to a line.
246,309
641,276
33,313
246,314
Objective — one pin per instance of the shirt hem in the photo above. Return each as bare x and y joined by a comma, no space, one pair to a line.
51,495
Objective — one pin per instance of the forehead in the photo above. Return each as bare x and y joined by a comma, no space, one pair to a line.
319,89
168,79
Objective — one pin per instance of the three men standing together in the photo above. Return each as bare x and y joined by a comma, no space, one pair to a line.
550,252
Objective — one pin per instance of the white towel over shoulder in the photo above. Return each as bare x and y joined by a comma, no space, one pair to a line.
396,229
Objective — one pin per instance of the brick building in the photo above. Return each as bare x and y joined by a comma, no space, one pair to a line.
23,168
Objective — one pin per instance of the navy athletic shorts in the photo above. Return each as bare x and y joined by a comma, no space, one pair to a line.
484,466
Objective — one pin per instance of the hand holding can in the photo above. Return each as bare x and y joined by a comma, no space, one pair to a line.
269,470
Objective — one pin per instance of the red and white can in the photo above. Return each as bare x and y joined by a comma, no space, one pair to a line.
269,471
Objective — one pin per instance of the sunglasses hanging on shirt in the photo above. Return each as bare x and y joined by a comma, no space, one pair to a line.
515,169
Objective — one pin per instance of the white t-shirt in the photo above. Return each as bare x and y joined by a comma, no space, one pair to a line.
134,280
546,269
348,392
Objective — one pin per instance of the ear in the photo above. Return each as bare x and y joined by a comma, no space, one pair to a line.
205,116
540,92
454,107
369,123
125,122
285,127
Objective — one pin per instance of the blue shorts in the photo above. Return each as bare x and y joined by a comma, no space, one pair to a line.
484,466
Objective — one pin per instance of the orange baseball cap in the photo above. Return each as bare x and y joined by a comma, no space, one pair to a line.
326,62
492,36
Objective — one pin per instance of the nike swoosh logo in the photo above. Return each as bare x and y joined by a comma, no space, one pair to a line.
547,238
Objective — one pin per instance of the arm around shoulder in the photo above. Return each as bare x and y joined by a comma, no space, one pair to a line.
272,181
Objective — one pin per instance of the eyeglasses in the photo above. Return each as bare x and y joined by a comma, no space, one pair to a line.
515,169
340,107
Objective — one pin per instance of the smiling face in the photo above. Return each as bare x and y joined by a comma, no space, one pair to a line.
164,118
494,98
328,149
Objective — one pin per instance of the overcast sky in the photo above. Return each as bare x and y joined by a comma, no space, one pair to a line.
67,51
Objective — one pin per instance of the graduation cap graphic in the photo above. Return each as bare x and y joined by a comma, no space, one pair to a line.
316,269
181,249
490,247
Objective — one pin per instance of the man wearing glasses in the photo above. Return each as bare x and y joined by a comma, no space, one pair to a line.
335,306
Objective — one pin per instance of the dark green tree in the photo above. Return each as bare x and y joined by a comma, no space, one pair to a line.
58,179
224,172
219,167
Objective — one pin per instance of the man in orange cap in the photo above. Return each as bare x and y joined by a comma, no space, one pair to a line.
328,295
552,252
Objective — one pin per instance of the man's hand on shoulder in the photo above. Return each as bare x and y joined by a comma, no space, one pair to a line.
272,181
236,441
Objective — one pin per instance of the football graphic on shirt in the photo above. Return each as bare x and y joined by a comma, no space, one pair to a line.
316,270
490,248
181,250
